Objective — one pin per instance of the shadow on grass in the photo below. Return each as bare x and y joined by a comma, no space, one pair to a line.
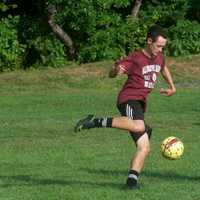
105,172
165,175
196,123
170,175
20,180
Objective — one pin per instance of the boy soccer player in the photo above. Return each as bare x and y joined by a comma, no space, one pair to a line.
142,68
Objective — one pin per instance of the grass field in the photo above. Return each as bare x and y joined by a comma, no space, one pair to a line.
41,158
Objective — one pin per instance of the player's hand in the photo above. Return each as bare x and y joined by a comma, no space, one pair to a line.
167,92
113,72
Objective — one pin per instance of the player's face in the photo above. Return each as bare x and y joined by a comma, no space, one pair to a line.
156,46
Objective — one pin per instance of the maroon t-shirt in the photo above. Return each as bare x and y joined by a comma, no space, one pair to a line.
142,73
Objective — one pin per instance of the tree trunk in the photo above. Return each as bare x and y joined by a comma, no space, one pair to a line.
136,8
59,31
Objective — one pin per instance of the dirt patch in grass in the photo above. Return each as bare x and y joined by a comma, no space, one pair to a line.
185,70
188,67
182,67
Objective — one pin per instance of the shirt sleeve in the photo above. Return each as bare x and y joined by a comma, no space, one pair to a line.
125,64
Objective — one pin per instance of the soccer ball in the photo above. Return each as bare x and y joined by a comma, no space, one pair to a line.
172,148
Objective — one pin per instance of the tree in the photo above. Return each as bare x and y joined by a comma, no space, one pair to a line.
92,30
58,30
136,8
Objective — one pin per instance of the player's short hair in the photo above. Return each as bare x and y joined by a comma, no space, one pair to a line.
155,31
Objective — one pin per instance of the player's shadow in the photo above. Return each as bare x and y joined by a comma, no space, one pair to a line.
28,180
104,171
20,180
165,175
170,175
196,123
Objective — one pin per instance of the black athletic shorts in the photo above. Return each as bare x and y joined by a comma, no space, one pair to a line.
134,109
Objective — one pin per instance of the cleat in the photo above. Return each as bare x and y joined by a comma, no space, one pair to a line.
130,184
85,123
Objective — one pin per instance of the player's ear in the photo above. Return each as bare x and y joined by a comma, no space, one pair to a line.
149,40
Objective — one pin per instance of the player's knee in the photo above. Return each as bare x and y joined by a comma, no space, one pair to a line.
139,128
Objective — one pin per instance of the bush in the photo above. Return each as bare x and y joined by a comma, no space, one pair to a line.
48,51
93,27
43,48
100,30
184,38
11,51
115,41
132,34
101,45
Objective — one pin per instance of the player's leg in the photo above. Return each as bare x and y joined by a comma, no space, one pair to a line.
142,142
126,123
123,122
135,111
143,149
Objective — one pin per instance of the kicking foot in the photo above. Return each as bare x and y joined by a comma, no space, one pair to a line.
85,123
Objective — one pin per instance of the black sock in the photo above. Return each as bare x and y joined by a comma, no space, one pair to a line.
103,122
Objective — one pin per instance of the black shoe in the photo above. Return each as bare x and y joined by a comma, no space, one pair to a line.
85,123
132,184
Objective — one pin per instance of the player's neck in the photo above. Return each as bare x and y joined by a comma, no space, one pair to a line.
147,53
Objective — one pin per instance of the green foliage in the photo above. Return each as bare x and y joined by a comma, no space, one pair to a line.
184,38
4,7
194,10
165,12
99,29
171,14
106,30
101,45
95,32
50,51
25,43
11,51
132,34
43,48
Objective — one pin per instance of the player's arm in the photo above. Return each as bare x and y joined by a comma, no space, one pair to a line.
122,66
168,78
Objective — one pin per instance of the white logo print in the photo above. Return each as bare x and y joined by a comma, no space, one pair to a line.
154,77
151,68
149,77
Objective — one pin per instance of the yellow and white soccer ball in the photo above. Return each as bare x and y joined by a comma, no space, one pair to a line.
172,148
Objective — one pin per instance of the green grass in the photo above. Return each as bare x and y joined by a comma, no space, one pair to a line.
41,158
